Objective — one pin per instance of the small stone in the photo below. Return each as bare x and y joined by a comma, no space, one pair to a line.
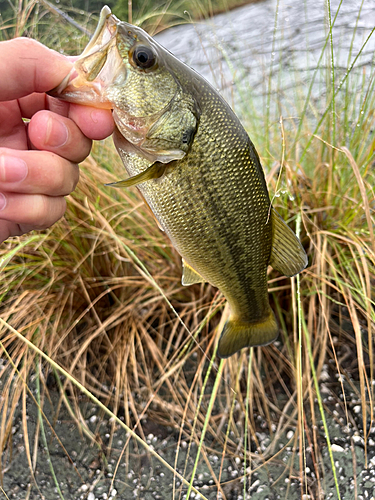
357,439
338,449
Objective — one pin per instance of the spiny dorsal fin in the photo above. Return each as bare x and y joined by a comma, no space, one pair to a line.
154,171
190,275
287,254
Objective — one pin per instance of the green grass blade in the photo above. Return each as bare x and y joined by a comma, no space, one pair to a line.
42,430
99,404
321,407
215,388
248,395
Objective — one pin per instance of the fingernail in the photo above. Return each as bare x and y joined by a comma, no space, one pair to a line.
3,201
57,133
12,169
94,116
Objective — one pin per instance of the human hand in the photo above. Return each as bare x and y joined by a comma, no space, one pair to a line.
38,160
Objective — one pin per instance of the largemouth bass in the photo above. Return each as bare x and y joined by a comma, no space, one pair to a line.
195,166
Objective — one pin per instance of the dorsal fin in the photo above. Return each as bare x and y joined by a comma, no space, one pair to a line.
287,255
190,275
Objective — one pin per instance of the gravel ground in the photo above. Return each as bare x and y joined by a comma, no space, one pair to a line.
87,471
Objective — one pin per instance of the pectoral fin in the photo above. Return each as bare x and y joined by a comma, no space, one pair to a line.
155,171
287,255
190,275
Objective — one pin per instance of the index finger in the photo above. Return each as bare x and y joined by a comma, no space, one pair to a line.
29,67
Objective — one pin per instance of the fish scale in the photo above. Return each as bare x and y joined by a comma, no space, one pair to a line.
230,259
196,168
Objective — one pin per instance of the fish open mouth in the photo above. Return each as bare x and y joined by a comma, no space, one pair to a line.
96,68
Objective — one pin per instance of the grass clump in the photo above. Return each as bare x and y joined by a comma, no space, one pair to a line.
63,23
100,295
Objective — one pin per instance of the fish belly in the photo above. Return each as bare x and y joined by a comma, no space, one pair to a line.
216,213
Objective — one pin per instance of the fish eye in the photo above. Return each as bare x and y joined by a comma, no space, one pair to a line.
143,57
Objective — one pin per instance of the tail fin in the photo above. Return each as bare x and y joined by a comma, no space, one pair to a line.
238,334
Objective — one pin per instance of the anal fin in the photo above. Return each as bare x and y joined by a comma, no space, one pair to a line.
190,275
287,255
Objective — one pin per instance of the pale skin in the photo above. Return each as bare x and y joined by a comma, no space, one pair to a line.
39,160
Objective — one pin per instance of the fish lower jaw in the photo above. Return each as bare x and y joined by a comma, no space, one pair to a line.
74,88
